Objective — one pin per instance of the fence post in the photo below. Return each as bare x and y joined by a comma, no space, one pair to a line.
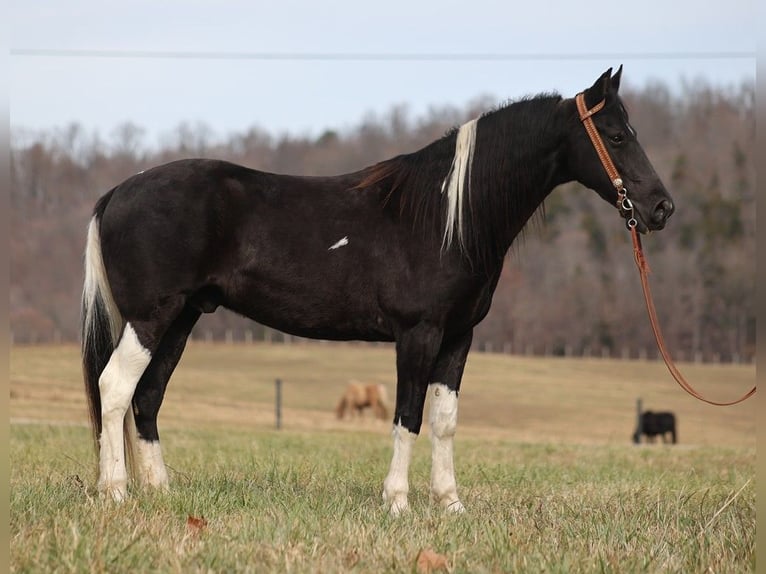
639,426
278,401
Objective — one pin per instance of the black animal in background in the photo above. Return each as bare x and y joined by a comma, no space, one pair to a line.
653,424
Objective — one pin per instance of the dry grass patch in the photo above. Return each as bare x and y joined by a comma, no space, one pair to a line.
520,398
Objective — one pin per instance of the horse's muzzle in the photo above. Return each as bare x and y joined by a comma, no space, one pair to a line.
662,211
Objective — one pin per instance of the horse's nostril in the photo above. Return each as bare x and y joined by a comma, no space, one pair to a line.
663,210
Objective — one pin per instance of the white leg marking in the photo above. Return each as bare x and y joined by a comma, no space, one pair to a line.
151,466
117,385
443,419
396,485
147,456
339,243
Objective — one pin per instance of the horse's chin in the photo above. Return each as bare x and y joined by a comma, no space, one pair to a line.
641,227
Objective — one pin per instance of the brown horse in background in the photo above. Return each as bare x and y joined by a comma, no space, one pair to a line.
358,397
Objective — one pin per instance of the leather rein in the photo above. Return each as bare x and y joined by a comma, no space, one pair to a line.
625,207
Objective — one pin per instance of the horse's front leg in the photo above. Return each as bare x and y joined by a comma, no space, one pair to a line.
416,351
444,390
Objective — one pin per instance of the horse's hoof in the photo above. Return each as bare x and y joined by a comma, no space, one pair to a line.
399,507
118,493
397,502
455,507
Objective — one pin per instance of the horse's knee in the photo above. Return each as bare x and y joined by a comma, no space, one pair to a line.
443,413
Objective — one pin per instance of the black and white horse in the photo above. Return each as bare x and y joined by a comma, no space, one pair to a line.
408,250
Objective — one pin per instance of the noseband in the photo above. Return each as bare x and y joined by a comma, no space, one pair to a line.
625,207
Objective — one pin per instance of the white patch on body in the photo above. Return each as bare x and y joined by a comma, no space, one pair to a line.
117,384
339,243
457,184
396,485
443,420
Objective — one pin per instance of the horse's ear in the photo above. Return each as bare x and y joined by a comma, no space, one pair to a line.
615,81
598,90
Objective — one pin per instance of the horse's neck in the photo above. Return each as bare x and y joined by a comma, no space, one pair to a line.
526,175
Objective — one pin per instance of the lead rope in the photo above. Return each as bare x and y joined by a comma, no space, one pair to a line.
643,270
626,210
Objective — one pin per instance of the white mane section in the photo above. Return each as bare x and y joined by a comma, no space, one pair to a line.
458,182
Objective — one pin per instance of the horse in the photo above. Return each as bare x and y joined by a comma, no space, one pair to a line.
653,424
358,397
408,250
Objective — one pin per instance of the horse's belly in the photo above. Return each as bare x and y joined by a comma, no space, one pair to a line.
311,310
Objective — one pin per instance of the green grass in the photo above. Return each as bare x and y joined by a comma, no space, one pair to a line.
543,464
310,502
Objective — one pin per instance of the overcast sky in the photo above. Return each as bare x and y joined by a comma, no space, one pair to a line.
287,66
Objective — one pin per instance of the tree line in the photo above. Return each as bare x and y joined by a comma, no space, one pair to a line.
569,285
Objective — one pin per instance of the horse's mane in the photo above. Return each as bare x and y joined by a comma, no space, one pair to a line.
501,176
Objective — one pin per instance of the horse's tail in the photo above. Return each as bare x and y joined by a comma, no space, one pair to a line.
102,322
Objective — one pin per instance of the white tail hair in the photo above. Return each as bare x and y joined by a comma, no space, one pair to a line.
457,184
96,284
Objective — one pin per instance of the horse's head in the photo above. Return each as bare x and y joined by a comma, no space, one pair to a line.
650,201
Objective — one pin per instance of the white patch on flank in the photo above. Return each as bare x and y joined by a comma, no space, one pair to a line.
396,485
457,184
339,243
117,384
443,419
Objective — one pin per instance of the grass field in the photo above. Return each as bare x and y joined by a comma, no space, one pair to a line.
543,462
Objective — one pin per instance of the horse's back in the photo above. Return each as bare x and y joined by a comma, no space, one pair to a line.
276,248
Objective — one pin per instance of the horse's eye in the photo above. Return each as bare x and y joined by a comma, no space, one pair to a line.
617,139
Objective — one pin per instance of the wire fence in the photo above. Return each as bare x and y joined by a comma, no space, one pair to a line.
266,335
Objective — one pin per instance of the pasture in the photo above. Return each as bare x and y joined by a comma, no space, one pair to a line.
544,463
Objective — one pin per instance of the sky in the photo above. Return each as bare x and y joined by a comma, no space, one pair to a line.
304,67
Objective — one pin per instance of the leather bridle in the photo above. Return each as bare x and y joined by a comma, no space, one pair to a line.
625,207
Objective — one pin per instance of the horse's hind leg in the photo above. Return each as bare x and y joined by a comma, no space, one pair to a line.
444,389
149,394
116,385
